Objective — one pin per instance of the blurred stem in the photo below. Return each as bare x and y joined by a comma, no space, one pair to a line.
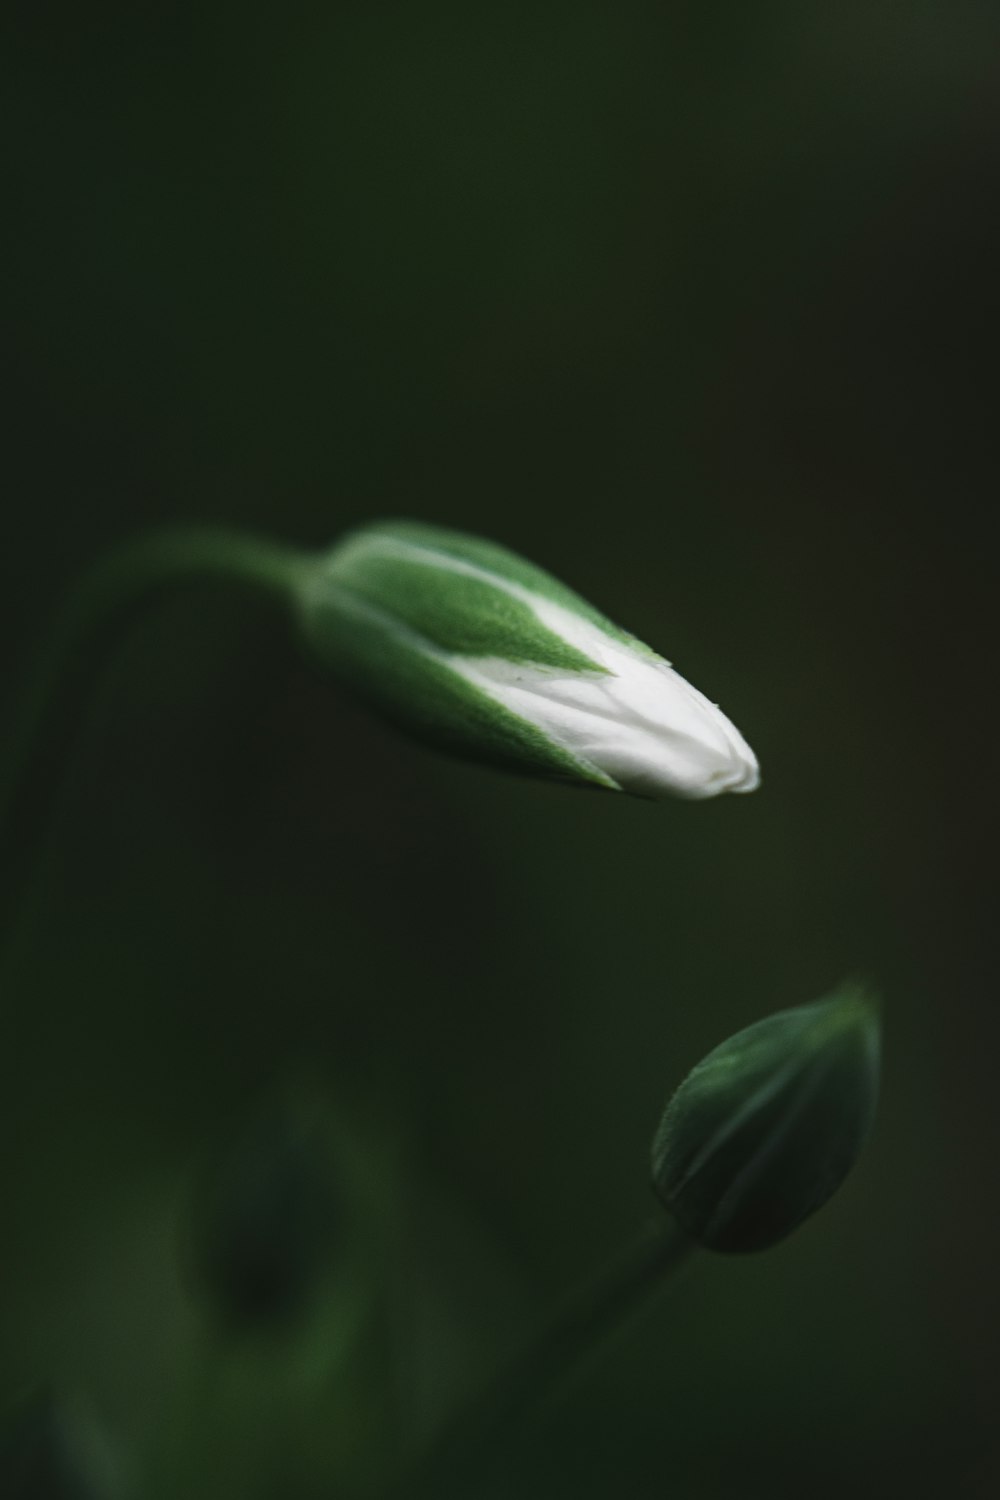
472,1438
105,603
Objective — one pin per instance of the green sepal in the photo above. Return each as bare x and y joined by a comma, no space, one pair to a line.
404,677
394,560
766,1127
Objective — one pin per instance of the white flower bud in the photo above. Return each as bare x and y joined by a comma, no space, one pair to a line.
465,644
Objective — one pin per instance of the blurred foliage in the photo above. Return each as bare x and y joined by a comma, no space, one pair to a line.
50,1451
695,305
266,1218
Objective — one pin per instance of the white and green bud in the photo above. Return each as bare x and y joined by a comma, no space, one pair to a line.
767,1126
471,648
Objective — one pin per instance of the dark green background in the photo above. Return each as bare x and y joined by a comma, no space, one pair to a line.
694,304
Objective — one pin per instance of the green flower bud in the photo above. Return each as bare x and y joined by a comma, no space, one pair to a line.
471,648
763,1131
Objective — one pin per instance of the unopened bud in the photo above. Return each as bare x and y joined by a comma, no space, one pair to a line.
471,648
767,1126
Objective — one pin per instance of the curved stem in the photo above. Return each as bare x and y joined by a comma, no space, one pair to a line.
584,1320
61,682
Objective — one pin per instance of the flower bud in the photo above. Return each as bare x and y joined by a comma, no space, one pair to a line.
765,1128
469,647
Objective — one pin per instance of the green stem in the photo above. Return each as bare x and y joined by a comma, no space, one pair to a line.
474,1436
101,608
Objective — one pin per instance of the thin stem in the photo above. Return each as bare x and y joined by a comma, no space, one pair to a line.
95,616
472,1438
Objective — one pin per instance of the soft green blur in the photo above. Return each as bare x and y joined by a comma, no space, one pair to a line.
691,305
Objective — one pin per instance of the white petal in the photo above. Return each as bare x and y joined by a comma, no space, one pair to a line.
650,731
643,724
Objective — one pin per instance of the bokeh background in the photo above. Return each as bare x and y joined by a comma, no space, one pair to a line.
328,1064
